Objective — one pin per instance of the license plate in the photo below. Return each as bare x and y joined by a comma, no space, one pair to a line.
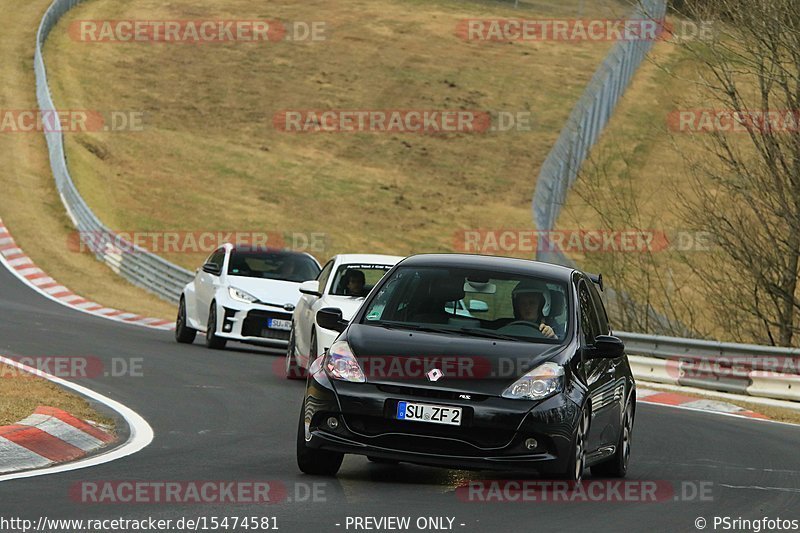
276,323
434,414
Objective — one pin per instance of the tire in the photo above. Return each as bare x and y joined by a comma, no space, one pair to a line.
293,369
617,465
212,341
183,333
313,461
577,461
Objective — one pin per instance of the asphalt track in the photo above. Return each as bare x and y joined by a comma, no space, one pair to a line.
230,416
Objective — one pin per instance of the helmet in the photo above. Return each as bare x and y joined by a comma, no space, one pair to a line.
530,286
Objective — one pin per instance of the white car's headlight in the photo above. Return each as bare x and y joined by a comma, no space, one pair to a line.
541,382
241,296
341,364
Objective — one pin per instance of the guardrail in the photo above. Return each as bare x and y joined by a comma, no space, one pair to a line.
657,358
747,369
136,264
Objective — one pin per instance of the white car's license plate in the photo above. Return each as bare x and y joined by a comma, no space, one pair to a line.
434,414
276,323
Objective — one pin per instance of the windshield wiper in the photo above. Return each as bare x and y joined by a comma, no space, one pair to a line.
415,327
488,334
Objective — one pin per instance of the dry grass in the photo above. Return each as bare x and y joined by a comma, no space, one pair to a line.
21,394
209,146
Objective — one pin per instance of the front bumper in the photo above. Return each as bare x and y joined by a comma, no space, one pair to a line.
492,436
249,323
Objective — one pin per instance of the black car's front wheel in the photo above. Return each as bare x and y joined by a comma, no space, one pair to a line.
314,461
617,465
577,458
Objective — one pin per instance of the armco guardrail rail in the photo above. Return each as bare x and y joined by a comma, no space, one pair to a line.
665,359
136,264
721,366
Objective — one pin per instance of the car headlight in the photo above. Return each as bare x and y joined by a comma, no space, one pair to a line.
241,296
541,382
341,364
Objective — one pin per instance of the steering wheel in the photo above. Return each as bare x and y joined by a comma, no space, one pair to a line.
533,325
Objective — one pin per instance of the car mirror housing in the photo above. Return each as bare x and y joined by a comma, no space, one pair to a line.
310,287
212,268
607,347
331,318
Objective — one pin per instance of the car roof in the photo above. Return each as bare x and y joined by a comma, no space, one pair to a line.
377,259
492,262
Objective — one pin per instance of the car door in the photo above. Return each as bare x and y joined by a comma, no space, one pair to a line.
614,368
598,379
206,285
307,311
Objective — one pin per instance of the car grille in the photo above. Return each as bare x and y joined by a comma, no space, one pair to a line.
255,325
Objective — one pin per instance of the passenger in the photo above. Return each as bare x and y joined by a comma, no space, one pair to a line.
529,298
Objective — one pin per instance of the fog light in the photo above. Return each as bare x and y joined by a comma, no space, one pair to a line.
227,327
531,444
333,423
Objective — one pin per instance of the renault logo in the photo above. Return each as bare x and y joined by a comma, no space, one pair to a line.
434,374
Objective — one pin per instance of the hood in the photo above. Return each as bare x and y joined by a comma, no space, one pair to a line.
475,365
268,290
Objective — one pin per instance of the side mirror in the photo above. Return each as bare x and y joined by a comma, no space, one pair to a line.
607,347
331,318
478,306
310,287
212,268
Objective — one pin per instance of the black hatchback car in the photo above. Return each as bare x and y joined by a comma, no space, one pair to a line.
473,362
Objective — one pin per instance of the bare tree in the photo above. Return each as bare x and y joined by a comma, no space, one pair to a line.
746,189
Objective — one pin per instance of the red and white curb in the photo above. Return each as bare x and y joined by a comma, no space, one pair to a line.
47,437
699,404
19,264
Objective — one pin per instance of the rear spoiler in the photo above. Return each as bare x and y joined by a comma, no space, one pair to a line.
597,279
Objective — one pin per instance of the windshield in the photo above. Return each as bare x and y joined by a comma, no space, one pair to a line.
280,265
474,302
357,279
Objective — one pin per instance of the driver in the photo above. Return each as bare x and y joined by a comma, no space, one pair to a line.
354,283
529,298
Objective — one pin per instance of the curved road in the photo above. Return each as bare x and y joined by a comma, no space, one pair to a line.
230,416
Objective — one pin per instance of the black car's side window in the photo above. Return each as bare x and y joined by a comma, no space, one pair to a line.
324,274
590,325
602,316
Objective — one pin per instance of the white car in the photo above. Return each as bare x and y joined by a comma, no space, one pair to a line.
336,286
244,294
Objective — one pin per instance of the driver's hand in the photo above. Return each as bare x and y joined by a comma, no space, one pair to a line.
547,331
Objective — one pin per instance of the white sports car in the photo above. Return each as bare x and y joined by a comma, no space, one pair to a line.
343,283
244,294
